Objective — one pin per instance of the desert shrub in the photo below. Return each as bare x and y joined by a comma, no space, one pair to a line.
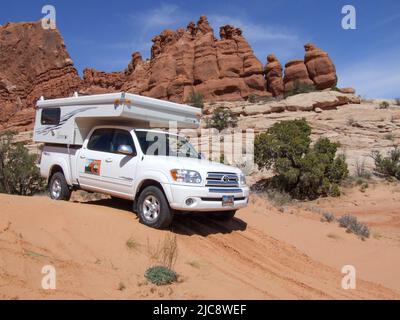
361,170
252,98
328,217
346,220
278,198
388,166
302,170
165,253
221,119
389,136
384,105
164,256
161,275
352,225
18,171
196,100
300,87
397,101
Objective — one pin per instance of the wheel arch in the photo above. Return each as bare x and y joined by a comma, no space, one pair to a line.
147,183
59,166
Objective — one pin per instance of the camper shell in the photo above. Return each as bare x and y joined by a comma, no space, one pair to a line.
69,120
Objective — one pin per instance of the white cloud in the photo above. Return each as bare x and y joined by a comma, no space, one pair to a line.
374,77
164,16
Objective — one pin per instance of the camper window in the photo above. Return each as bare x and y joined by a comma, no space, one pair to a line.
50,116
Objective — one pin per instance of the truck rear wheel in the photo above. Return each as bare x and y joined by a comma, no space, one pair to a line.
153,208
58,187
224,215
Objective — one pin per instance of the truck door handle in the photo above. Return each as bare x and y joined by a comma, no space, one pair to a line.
82,157
108,160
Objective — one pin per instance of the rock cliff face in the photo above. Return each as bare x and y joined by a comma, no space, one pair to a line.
33,62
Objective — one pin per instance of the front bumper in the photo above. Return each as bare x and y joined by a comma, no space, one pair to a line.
205,198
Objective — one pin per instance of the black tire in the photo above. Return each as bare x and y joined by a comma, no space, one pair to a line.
223,215
64,191
164,217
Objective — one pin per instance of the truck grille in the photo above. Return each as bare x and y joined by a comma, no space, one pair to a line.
222,179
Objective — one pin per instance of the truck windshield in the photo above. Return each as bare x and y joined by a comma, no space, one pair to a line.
163,144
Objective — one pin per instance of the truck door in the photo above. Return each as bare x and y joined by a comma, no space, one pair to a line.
120,167
92,158
101,166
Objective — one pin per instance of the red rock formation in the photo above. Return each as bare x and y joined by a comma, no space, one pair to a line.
33,62
273,75
188,60
295,72
320,67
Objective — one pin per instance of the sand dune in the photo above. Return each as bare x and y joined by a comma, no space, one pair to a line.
261,254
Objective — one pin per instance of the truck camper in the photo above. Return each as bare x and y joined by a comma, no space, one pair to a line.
108,144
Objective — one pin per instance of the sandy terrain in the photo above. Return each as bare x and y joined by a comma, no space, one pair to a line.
264,253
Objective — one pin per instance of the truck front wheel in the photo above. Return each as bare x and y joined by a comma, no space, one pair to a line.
153,208
58,187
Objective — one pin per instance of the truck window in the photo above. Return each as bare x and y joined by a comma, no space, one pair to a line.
122,137
163,144
50,116
101,140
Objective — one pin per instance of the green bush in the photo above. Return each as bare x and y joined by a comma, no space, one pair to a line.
252,98
384,105
196,100
300,87
160,275
302,170
388,166
18,172
221,119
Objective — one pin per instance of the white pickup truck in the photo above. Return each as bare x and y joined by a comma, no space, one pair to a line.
121,161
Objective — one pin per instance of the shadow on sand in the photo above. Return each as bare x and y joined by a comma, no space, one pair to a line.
189,224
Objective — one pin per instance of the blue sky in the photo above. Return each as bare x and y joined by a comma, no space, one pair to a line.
103,34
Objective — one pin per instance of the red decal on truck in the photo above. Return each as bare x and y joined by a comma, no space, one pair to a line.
93,167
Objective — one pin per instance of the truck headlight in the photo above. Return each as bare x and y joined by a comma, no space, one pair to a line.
186,176
242,180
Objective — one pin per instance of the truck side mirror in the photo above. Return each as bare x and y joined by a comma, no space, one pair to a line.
126,150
